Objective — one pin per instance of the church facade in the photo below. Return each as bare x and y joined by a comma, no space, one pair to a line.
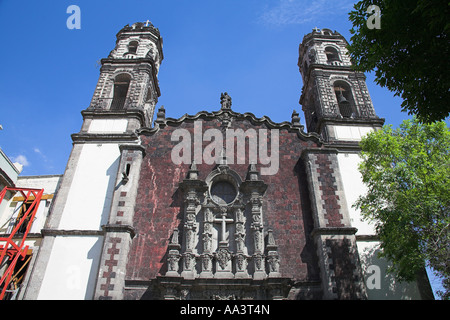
216,205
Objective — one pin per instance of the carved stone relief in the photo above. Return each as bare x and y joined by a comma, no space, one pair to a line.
223,233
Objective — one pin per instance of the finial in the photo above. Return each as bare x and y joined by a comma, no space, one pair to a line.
270,239
225,100
193,172
161,115
174,243
223,157
295,119
252,174
175,237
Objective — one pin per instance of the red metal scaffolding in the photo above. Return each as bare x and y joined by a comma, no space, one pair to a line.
12,245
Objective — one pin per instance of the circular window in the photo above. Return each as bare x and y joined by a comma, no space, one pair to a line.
223,192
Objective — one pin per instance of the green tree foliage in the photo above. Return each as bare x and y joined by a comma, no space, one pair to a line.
409,52
407,172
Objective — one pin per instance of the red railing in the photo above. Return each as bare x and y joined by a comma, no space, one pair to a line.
11,249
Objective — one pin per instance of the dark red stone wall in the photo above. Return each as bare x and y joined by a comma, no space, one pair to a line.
158,210
342,262
327,184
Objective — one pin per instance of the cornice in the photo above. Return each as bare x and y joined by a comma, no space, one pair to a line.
333,231
326,120
103,137
228,113
137,113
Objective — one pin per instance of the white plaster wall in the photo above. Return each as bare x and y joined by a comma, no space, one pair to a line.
108,125
10,169
353,188
8,220
9,209
39,218
6,211
72,268
48,183
351,132
380,284
89,198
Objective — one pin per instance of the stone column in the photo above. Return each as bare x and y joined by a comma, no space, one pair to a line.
258,237
273,259
333,235
207,255
119,231
190,232
255,188
173,258
240,257
191,187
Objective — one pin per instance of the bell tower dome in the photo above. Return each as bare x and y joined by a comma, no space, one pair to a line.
334,98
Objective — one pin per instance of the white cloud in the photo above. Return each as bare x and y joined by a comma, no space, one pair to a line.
300,11
46,162
22,160
39,152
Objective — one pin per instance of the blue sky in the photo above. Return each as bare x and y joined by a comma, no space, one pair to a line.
248,48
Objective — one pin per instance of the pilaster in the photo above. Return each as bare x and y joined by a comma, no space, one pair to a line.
119,231
333,234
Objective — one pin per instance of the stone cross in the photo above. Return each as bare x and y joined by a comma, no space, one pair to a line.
223,220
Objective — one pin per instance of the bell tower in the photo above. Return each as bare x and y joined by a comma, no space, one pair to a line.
335,99
128,82
94,210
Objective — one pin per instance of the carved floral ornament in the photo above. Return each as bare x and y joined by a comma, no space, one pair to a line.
222,233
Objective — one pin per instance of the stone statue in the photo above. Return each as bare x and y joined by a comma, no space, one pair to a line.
225,101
